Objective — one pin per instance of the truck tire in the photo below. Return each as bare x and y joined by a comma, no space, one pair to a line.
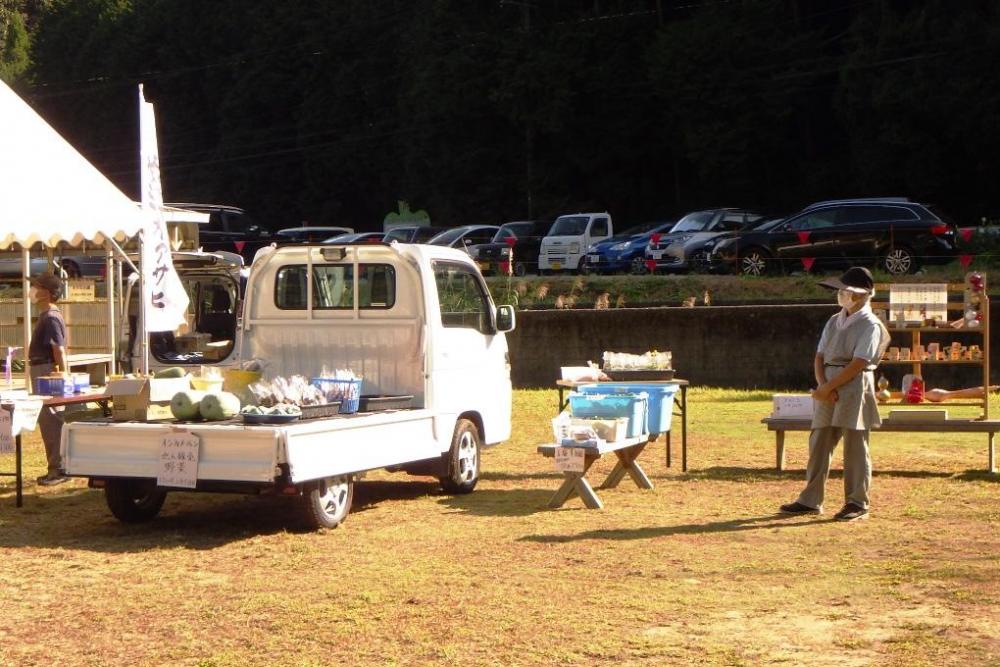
328,503
463,459
132,500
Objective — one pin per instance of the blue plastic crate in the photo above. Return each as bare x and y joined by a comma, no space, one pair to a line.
599,406
660,396
348,392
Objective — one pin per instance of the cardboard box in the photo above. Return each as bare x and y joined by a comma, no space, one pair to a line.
144,399
791,406
193,342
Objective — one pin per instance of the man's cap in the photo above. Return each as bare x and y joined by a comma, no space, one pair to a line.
856,279
50,282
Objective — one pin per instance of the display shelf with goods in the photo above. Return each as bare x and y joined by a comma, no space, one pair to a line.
962,340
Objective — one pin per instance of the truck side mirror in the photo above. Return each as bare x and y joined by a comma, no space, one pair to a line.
505,318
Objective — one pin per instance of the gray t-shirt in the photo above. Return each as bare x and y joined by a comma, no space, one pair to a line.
864,337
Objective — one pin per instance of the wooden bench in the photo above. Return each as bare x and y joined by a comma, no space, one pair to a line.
988,426
575,483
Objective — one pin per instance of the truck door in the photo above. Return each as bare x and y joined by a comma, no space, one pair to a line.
471,370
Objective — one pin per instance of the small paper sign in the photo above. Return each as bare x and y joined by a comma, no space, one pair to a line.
6,429
80,291
26,415
178,465
570,459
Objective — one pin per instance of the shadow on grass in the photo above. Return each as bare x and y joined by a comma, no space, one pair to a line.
78,518
733,474
978,476
772,521
493,476
500,502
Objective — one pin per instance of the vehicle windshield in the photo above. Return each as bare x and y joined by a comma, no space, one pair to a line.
767,224
397,235
694,222
570,225
514,229
448,237
639,229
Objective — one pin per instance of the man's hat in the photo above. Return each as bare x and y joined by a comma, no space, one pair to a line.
856,279
49,282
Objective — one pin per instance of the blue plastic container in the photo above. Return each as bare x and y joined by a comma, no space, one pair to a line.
612,406
54,386
348,392
660,396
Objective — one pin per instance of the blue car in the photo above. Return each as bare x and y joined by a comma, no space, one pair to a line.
623,252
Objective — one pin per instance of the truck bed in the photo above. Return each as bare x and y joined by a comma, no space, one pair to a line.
234,452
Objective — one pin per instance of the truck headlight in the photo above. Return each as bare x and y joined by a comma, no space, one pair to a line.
574,248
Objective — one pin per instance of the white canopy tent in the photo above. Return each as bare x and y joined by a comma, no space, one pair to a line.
51,194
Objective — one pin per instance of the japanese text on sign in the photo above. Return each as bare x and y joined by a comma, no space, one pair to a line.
918,301
178,464
570,459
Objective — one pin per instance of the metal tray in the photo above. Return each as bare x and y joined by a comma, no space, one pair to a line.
321,410
375,403
268,419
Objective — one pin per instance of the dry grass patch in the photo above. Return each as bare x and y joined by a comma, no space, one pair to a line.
698,571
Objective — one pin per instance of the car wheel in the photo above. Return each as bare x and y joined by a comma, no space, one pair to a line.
756,262
520,269
132,500
638,266
328,503
899,261
70,268
584,268
463,459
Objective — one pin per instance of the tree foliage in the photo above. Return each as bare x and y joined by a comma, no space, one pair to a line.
490,110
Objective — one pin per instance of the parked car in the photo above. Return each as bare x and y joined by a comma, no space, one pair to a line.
625,251
519,240
229,229
894,234
309,234
412,233
356,238
571,236
465,237
686,245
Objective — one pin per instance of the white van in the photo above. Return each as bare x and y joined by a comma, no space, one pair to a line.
571,235
413,320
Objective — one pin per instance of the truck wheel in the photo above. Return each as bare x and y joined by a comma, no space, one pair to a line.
463,459
133,501
520,269
329,502
584,267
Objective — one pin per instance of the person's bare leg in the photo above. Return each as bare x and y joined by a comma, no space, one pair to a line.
941,395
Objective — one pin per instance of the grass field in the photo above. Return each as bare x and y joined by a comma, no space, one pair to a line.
698,571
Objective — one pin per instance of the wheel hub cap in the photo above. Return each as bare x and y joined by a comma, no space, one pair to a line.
468,458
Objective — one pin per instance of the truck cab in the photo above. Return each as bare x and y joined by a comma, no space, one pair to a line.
569,239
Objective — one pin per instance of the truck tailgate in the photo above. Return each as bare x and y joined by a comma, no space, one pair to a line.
227,452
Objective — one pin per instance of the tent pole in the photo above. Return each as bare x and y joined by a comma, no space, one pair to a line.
109,281
26,285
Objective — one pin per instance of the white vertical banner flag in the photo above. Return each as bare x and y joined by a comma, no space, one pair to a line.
164,298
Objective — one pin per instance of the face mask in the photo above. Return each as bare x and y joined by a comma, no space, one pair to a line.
32,295
845,299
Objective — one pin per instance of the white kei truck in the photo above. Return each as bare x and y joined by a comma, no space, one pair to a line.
413,320
565,247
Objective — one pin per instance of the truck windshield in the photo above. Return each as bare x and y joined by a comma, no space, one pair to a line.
570,225
694,222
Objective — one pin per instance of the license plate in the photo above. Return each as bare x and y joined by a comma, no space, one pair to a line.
556,266
594,259
656,254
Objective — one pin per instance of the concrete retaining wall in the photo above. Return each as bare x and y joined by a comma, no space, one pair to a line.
724,346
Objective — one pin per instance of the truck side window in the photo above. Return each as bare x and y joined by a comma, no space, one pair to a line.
463,303
600,227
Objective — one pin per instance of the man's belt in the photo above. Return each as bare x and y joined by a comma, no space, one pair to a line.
38,361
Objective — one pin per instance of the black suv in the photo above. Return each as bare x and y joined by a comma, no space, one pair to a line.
893,234
229,228
523,239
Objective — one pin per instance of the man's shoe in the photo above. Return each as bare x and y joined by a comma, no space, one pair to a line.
52,479
851,512
798,508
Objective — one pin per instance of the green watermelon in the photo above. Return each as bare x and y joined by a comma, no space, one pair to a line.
184,404
216,407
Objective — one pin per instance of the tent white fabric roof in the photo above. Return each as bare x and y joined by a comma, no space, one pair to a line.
48,191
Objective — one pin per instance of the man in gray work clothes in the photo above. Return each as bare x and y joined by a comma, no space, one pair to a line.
46,353
849,350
